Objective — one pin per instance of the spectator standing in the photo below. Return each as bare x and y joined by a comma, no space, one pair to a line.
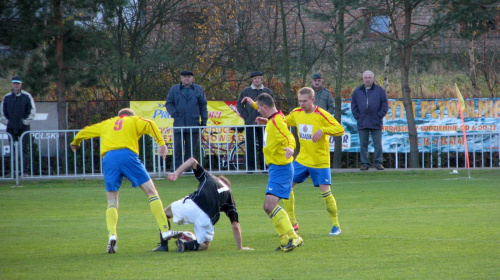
322,96
369,105
187,104
254,135
18,111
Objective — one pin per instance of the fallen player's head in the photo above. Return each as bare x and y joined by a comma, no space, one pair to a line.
225,181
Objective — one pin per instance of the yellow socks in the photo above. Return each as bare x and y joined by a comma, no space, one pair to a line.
282,224
112,218
157,210
290,208
331,206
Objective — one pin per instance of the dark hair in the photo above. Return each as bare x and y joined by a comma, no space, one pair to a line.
265,99
225,180
126,112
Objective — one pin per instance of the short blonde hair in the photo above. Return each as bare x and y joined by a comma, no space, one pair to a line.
307,91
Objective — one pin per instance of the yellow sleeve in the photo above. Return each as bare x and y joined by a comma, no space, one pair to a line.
146,126
88,132
283,135
290,119
330,125
255,106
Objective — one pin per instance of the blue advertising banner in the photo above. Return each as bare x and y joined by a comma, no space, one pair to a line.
438,125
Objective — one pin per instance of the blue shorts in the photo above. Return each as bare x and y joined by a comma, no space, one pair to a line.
280,180
121,163
319,176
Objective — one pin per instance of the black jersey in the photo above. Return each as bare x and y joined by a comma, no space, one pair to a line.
213,196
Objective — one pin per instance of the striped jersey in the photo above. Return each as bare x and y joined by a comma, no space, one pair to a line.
314,154
120,133
213,196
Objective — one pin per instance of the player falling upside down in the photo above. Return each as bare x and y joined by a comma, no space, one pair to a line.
314,125
120,151
279,144
202,209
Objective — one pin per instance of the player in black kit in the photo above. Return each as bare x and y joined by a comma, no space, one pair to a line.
202,209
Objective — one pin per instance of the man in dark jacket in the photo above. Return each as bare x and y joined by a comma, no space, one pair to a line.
369,106
253,135
187,104
322,96
18,111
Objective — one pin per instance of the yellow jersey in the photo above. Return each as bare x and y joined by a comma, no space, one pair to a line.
277,137
314,154
120,133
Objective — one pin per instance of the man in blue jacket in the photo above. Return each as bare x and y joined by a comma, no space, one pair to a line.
369,106
18,111
186,103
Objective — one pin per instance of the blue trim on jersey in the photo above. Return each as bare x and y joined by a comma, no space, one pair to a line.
280,180
121,163
319,176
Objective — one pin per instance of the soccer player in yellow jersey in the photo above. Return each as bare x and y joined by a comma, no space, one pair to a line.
120,152
279,144
314,125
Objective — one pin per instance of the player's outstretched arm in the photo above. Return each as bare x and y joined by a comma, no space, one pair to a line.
190,163
261,120
237,236
248,100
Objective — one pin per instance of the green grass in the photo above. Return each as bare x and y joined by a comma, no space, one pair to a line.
395,225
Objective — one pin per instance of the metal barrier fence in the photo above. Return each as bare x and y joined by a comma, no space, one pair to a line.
218,149
449,151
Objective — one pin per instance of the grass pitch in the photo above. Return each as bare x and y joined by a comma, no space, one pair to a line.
395,225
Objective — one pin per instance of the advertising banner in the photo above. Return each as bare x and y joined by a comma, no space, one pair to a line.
438,125
213,140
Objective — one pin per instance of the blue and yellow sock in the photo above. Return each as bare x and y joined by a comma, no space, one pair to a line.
290,208
157,210
282,224
331,207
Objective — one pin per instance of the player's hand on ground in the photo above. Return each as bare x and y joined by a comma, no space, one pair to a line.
261,120
172,176
247,248
317,136
288,152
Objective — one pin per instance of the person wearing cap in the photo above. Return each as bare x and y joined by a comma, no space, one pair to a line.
369,105
254,135
322,96
187,104
18,111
